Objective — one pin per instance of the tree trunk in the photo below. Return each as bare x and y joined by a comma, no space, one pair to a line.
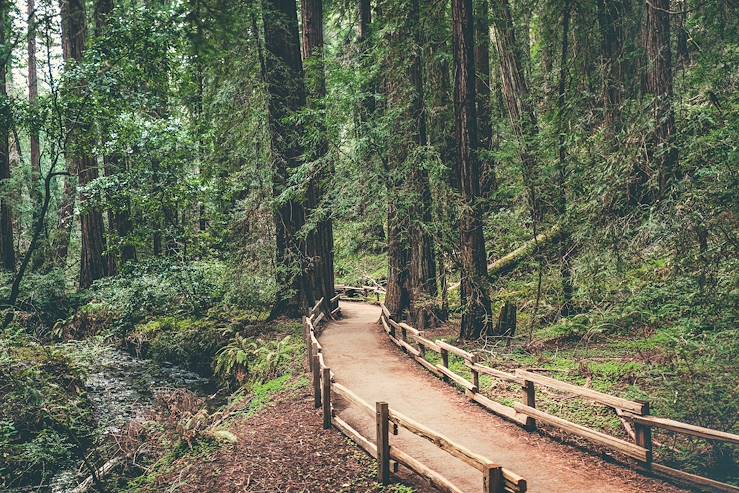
611,18
565,243
662,151
477,315
516,93
484,118
321,236
93,264
409,193
284,77
35,144
7,248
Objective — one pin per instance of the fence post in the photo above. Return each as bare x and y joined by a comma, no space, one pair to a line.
492,479
475,373
445,362
308,344
643,435
316,381
529,398
382,416
326,383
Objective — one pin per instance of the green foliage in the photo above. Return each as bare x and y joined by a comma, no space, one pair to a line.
45,416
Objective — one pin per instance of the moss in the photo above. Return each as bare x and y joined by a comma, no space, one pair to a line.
46,419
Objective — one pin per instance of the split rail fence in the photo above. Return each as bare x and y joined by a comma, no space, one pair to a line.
495,478
527,415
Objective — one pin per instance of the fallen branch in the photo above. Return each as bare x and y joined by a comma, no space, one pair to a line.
103,471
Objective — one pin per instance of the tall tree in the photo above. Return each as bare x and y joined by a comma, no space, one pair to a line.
516,93
412,283
93,263
284,77
482,87
119,217
35,144
321,235
662,151
565,243
611,18
7,248
477,314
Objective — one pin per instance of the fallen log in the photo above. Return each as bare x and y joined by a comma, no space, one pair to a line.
507,262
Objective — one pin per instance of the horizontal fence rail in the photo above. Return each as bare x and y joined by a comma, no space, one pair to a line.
495,479
527,415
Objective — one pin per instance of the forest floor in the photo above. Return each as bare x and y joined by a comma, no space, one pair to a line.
282,448
365,361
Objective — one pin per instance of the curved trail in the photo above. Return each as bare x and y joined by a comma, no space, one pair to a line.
364,360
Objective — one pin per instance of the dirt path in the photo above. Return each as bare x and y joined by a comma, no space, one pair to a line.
364,360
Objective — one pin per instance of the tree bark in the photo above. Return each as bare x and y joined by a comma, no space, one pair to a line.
409,194
35,144
321,235
477,315
93,264
565,243
484,117
7,247
661,151
284,77
516,93
611,18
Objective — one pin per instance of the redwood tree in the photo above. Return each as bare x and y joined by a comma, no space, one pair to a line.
321,235
7,249
93,264
284,78
35,144
662,152
477,315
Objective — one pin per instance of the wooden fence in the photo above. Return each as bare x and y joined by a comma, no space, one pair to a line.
527,415
495,479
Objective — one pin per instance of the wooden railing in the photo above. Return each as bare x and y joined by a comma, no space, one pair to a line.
527,415
495,479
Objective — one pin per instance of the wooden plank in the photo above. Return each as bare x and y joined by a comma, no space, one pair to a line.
314,341
455,350
495,373
383,442
336,311
437,480
352,397
358,439
318,319
456,378
459,451
410,329
497,408
335,298
627,448
428,343
318,304
685,428
513,482
430,367
409,348
590,394
385,310
694,479
321,362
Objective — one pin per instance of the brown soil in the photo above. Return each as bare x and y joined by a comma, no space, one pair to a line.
363,359
284,448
